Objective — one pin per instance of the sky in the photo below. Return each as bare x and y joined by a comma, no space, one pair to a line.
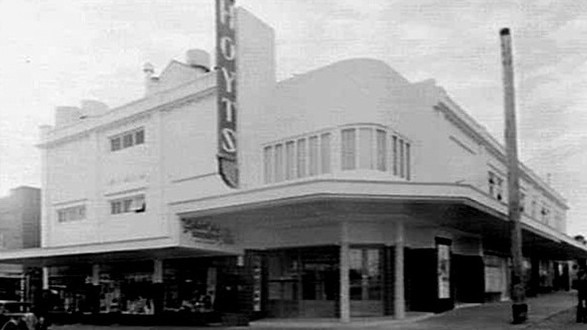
55,53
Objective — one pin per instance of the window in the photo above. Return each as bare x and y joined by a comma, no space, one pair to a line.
325,153
73,213
313,155
499,189
289,160
268,163
303,274
133,204
368,147
127,139
395,155
401,159
408,170
365,143
381,150
140,137
365,274
522,202
308,156
495,186
301,157
115,144
348,153
278,163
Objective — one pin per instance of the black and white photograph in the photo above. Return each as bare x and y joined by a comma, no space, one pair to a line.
293,164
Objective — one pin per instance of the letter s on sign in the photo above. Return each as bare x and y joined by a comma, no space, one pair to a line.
228,140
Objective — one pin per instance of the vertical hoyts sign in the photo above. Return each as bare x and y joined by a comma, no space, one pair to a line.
226,88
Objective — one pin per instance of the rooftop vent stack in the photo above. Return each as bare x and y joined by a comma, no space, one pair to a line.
198,59
66,115
150,79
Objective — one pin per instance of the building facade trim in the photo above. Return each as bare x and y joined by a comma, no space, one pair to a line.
127,113
354,189
497,150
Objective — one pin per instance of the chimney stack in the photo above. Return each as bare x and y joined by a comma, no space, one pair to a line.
150,79
149,70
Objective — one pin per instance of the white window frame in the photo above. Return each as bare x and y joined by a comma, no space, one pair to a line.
301,158
117,142
348,155
381,150
71,213
128,204
364,147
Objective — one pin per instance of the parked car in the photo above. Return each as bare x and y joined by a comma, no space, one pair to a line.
16,315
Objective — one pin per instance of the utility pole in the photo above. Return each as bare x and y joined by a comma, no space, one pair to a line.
519,307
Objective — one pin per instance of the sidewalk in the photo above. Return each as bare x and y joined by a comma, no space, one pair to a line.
498,315
485,317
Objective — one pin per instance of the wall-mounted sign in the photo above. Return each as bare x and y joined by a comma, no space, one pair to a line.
226,88
443,271
128,178
206,231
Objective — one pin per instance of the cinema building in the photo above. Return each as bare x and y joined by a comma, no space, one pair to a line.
361,194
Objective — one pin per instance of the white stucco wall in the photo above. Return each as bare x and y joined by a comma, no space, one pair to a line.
177,163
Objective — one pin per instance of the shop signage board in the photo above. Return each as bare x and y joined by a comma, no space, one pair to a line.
204,231
227,93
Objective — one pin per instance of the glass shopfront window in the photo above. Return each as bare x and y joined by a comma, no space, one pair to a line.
72,288
365,279
127,288
189,289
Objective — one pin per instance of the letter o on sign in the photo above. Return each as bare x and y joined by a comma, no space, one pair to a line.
227,48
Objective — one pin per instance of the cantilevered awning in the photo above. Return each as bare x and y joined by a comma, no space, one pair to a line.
158,248
459,206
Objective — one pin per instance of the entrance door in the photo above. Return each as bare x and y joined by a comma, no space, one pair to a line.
303,282
366,287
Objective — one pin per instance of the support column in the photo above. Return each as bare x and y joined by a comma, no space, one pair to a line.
345,299
45,278
158,290
157,271
399,303
95,289
533,287
95,274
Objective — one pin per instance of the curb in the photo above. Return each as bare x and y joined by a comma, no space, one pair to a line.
336,325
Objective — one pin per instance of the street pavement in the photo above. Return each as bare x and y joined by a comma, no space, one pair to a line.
548,311
498,315
564,320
